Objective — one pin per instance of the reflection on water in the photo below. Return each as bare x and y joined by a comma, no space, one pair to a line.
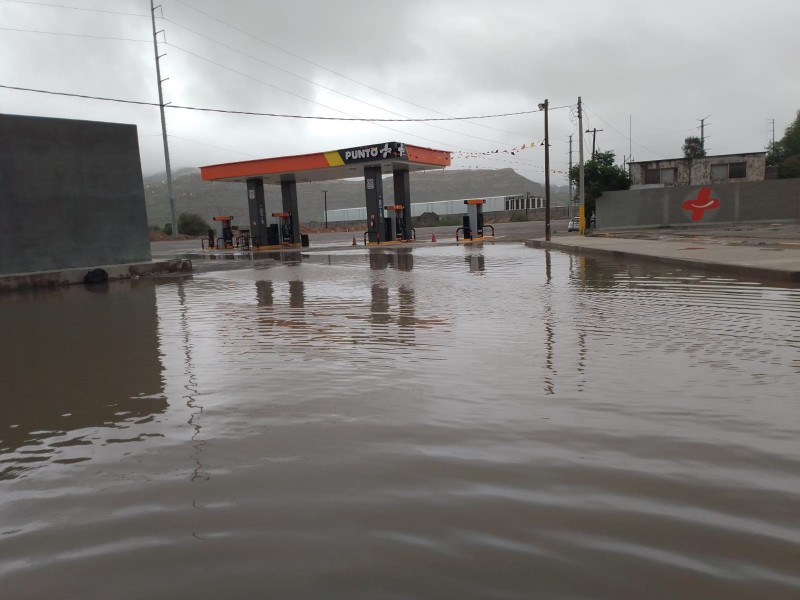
80,367
450,421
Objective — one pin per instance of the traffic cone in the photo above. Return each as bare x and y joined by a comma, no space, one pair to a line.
433,237
354,240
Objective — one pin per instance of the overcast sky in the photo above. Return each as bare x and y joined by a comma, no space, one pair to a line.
651,68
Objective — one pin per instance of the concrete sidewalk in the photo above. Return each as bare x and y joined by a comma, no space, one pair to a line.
761,253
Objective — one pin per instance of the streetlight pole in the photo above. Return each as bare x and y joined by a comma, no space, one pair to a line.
544,106
325,192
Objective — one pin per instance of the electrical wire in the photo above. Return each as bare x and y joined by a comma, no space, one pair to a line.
306,79
97,10
80,35
268,114
320,66
625,136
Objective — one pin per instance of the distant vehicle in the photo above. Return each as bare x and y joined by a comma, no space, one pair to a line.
574,224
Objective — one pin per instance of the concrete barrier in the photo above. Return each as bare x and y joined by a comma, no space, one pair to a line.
761,201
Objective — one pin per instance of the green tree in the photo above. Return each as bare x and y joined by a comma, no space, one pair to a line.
791,137
693,147
775,153
789,168
192,224
785,153
600,175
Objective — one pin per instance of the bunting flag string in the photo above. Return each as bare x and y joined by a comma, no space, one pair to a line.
513,151
496,155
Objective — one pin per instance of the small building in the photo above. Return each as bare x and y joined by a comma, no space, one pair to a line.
722,168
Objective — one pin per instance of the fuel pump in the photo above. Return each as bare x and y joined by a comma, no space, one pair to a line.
395,224
224,231
372,227
473,222
284,221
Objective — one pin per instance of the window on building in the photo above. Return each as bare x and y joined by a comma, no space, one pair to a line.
668,176
719,172
737,170
662,176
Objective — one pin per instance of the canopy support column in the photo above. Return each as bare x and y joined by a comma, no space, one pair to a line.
373,185
289,200
402,196
258,211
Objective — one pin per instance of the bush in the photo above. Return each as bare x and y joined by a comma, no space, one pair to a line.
192,224
167,228
789,168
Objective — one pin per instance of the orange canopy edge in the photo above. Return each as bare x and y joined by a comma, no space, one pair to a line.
327,166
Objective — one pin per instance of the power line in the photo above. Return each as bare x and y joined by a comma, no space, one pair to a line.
320,66
625,136
97,10
267,114
306,79
80,35
350,116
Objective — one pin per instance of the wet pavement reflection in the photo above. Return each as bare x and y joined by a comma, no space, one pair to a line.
447,421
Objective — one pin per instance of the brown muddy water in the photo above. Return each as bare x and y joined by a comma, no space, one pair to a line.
448,422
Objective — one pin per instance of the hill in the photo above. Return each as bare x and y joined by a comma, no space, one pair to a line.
221,198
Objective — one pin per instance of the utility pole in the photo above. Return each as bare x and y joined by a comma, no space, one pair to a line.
630,137
325,192
569,179
582,210
703,132
544,106
163,122
773,134
594,137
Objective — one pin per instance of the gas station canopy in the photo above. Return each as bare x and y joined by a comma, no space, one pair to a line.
326,166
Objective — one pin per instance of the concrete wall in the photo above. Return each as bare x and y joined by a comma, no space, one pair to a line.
71,195
774,200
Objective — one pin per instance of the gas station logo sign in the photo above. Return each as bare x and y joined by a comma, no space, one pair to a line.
385,151
702,206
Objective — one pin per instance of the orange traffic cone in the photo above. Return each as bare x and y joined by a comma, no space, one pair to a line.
354,240
433,237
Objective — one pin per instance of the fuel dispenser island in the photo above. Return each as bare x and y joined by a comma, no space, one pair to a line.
473,226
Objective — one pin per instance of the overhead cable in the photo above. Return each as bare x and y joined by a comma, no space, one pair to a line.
268,114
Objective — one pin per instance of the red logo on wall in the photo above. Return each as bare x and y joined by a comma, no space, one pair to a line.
699,205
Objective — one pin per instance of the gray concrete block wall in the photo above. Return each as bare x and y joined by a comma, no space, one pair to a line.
71,195
773,200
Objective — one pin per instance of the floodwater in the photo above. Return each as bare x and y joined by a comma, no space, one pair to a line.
447,422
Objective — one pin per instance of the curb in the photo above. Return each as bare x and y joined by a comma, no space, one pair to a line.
22,281
744,271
